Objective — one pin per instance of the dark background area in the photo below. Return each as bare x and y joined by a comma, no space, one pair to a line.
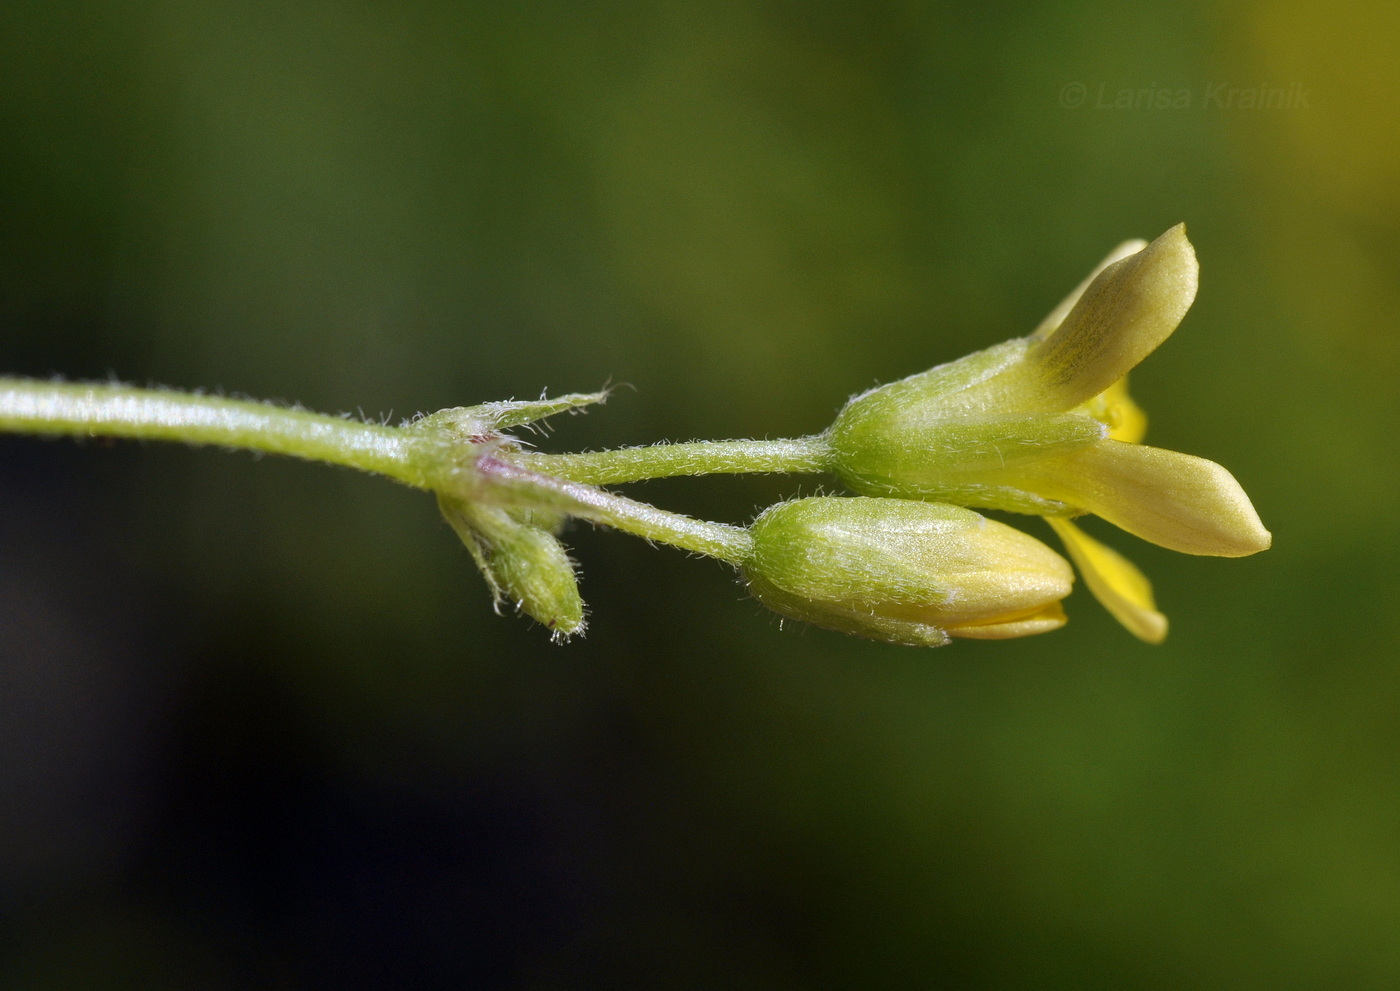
259,727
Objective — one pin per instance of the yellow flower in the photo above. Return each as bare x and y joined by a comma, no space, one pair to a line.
1044,425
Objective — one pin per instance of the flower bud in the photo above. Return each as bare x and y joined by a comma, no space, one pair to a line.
904,572
521,560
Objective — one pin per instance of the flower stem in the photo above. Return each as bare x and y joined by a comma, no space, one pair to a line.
417,456
84,410
630,464
717,540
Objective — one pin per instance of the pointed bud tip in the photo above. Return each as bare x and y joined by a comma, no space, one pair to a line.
1250,538
1130,308
1177,501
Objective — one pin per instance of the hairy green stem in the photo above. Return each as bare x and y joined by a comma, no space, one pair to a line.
419,455
717,540
630,464
84,410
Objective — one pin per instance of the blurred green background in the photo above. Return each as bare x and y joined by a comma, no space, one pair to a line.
258,724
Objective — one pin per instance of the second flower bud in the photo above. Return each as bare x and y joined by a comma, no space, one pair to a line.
904,572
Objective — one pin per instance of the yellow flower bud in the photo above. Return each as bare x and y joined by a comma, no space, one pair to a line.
904,572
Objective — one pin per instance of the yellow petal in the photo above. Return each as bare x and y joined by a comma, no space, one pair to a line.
1177,501
1051,617
1115,581
1114,407
1131,307
1057,315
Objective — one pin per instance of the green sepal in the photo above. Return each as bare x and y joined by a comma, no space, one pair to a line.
886,449
487,420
